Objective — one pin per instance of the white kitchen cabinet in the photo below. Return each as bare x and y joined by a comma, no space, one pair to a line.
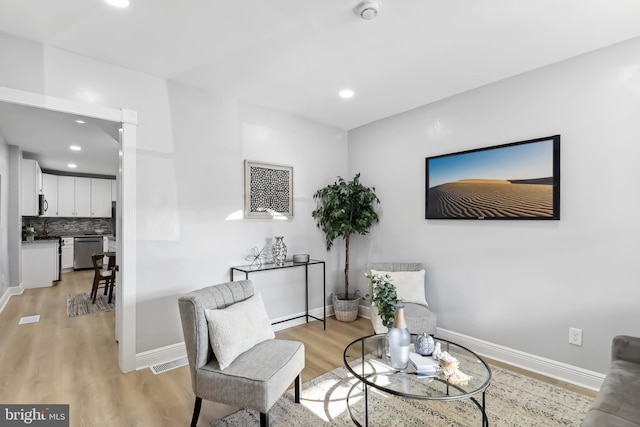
67,253
114,190
100,198
50,191
83,196
66,196
39,263
74,197
31,187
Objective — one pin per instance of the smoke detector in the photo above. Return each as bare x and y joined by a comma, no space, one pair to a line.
368,10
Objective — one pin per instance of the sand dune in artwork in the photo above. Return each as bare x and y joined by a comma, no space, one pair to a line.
488,198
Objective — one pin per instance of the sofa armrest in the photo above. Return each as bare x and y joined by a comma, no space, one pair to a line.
625,347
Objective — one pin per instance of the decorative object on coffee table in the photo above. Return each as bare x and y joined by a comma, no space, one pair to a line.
450,367
424,344
382,294
345,208
399,341
279,251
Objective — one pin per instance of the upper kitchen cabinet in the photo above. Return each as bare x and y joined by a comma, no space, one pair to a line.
31,187
50,191
101,198
74,196
84,197
66,196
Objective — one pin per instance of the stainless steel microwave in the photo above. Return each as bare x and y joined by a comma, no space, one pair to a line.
43,206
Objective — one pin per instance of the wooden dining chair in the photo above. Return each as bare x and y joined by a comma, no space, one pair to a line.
104,278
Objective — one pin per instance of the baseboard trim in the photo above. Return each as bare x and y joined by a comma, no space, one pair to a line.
550,368
8,293
561,371
160,355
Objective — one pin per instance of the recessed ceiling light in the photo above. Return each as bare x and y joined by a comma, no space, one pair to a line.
75,147
346,93
80,121
72,166
118,3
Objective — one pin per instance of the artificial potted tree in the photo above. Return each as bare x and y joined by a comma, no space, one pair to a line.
345,208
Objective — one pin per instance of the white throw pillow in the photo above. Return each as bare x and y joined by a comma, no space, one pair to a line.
237,328
409,285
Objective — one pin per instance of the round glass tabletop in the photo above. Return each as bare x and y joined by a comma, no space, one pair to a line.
367,359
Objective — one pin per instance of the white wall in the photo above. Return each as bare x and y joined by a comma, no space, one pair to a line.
522,284
190,152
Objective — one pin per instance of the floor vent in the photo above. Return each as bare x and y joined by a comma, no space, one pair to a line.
167,366
29,319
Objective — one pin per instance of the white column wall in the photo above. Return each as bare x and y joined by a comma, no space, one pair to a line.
4,213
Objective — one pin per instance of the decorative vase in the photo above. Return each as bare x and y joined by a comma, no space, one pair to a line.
425,344
382,348
279,250
399,341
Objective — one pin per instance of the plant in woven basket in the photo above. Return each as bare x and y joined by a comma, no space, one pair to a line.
384,296
345,208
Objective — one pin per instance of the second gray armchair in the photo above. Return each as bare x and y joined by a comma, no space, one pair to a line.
412,290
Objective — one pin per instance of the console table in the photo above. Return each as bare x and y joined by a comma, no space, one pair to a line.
248,269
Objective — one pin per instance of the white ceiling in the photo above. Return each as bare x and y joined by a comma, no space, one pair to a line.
46,135
295,55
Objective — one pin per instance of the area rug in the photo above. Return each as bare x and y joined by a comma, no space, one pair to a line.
511,400
81,304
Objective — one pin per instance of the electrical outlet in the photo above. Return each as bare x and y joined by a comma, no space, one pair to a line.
575,336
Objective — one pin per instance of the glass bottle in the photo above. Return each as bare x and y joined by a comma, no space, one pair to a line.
399,340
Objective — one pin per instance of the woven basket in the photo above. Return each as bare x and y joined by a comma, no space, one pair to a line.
346,310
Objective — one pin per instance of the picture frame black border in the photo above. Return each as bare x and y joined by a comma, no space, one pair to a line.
556,180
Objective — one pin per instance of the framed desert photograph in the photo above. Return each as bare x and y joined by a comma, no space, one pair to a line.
268,190
519,180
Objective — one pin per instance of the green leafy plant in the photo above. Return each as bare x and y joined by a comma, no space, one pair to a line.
384,296
345,208
27,233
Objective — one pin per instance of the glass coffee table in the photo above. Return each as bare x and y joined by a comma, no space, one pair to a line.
368,362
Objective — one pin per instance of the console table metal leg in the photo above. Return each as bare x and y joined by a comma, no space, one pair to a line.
306,292
324,297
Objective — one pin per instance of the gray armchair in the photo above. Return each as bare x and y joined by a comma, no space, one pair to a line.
418,316
257,378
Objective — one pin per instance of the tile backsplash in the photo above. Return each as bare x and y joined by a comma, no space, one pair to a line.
69,226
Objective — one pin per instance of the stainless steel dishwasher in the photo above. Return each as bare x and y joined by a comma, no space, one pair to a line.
83,248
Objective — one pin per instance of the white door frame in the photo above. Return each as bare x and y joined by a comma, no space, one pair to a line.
126,207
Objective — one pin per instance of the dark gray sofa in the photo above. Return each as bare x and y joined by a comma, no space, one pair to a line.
618,401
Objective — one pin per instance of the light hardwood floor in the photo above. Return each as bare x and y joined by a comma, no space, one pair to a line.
74,361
